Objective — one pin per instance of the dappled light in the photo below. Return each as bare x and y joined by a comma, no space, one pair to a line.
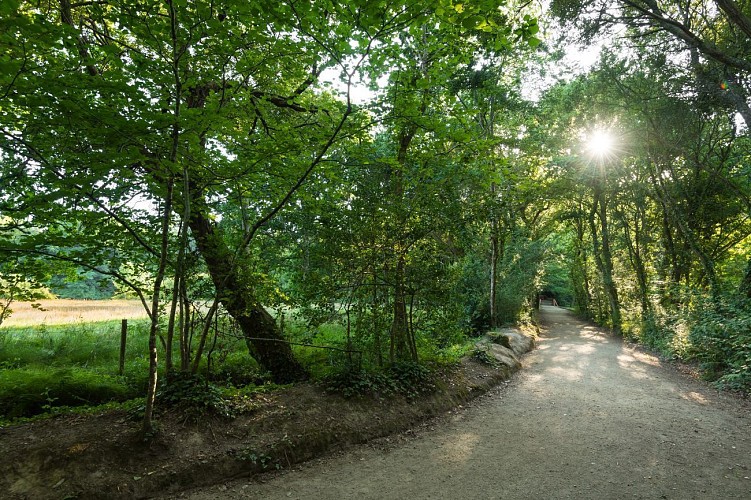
569,427
458,450
695,397
203,201
632,367
569,372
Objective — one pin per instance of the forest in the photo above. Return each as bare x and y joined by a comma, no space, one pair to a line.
351,192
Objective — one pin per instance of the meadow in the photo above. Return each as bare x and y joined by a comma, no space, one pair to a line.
65,311
66,353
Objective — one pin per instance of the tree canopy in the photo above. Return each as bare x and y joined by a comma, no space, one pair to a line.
211,158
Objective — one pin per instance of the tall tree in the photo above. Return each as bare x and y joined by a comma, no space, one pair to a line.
118,103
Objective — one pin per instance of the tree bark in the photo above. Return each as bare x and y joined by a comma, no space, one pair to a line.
399,349
148,412
581,287
635,251
675,217
262,336
399,326
735,15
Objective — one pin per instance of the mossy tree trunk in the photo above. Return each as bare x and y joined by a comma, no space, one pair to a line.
264,339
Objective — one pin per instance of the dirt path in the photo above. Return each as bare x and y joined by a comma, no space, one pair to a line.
586,418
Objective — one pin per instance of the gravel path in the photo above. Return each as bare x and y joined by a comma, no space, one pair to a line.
586,418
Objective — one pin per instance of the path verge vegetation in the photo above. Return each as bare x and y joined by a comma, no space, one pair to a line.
101,455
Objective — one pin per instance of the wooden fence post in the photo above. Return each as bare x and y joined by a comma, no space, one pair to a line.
123,337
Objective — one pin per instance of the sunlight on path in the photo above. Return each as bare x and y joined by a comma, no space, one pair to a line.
586,418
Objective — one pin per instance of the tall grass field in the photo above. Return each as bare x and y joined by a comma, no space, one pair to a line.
66,353
64,311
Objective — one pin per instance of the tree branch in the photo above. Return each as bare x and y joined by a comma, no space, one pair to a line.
652,11
735,15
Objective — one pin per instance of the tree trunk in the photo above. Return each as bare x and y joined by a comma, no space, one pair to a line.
607,260
641,277
634,246
376,314
677,220
603,256
399,327
494,253
745,287
263,338
581,287
399,349
148,412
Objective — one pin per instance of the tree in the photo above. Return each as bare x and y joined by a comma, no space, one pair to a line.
181,105
121,118
714,33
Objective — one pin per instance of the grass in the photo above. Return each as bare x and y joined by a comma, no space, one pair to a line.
67,355
64,311
33,390
68,364
94,344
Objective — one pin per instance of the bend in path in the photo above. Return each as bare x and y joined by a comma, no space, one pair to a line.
587,418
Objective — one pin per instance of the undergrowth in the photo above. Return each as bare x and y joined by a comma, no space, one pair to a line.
196,396
49,369
482,355
29,391
720,338
405,378
715,332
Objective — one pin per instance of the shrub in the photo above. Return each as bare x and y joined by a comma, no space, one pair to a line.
30,391
406,378
238,369
720,336
482,355
196,394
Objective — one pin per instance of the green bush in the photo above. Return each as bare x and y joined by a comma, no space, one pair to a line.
196,394
238,369
406,378
656,334
720,336
30,391
484,357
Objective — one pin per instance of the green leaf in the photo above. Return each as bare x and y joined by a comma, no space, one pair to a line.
8,7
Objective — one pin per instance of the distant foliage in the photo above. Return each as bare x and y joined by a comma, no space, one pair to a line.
89,285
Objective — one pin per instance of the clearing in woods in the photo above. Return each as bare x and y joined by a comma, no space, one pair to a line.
588,417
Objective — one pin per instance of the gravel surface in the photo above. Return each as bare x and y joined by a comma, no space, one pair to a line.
587,418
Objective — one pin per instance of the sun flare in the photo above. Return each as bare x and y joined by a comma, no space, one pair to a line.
600,144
